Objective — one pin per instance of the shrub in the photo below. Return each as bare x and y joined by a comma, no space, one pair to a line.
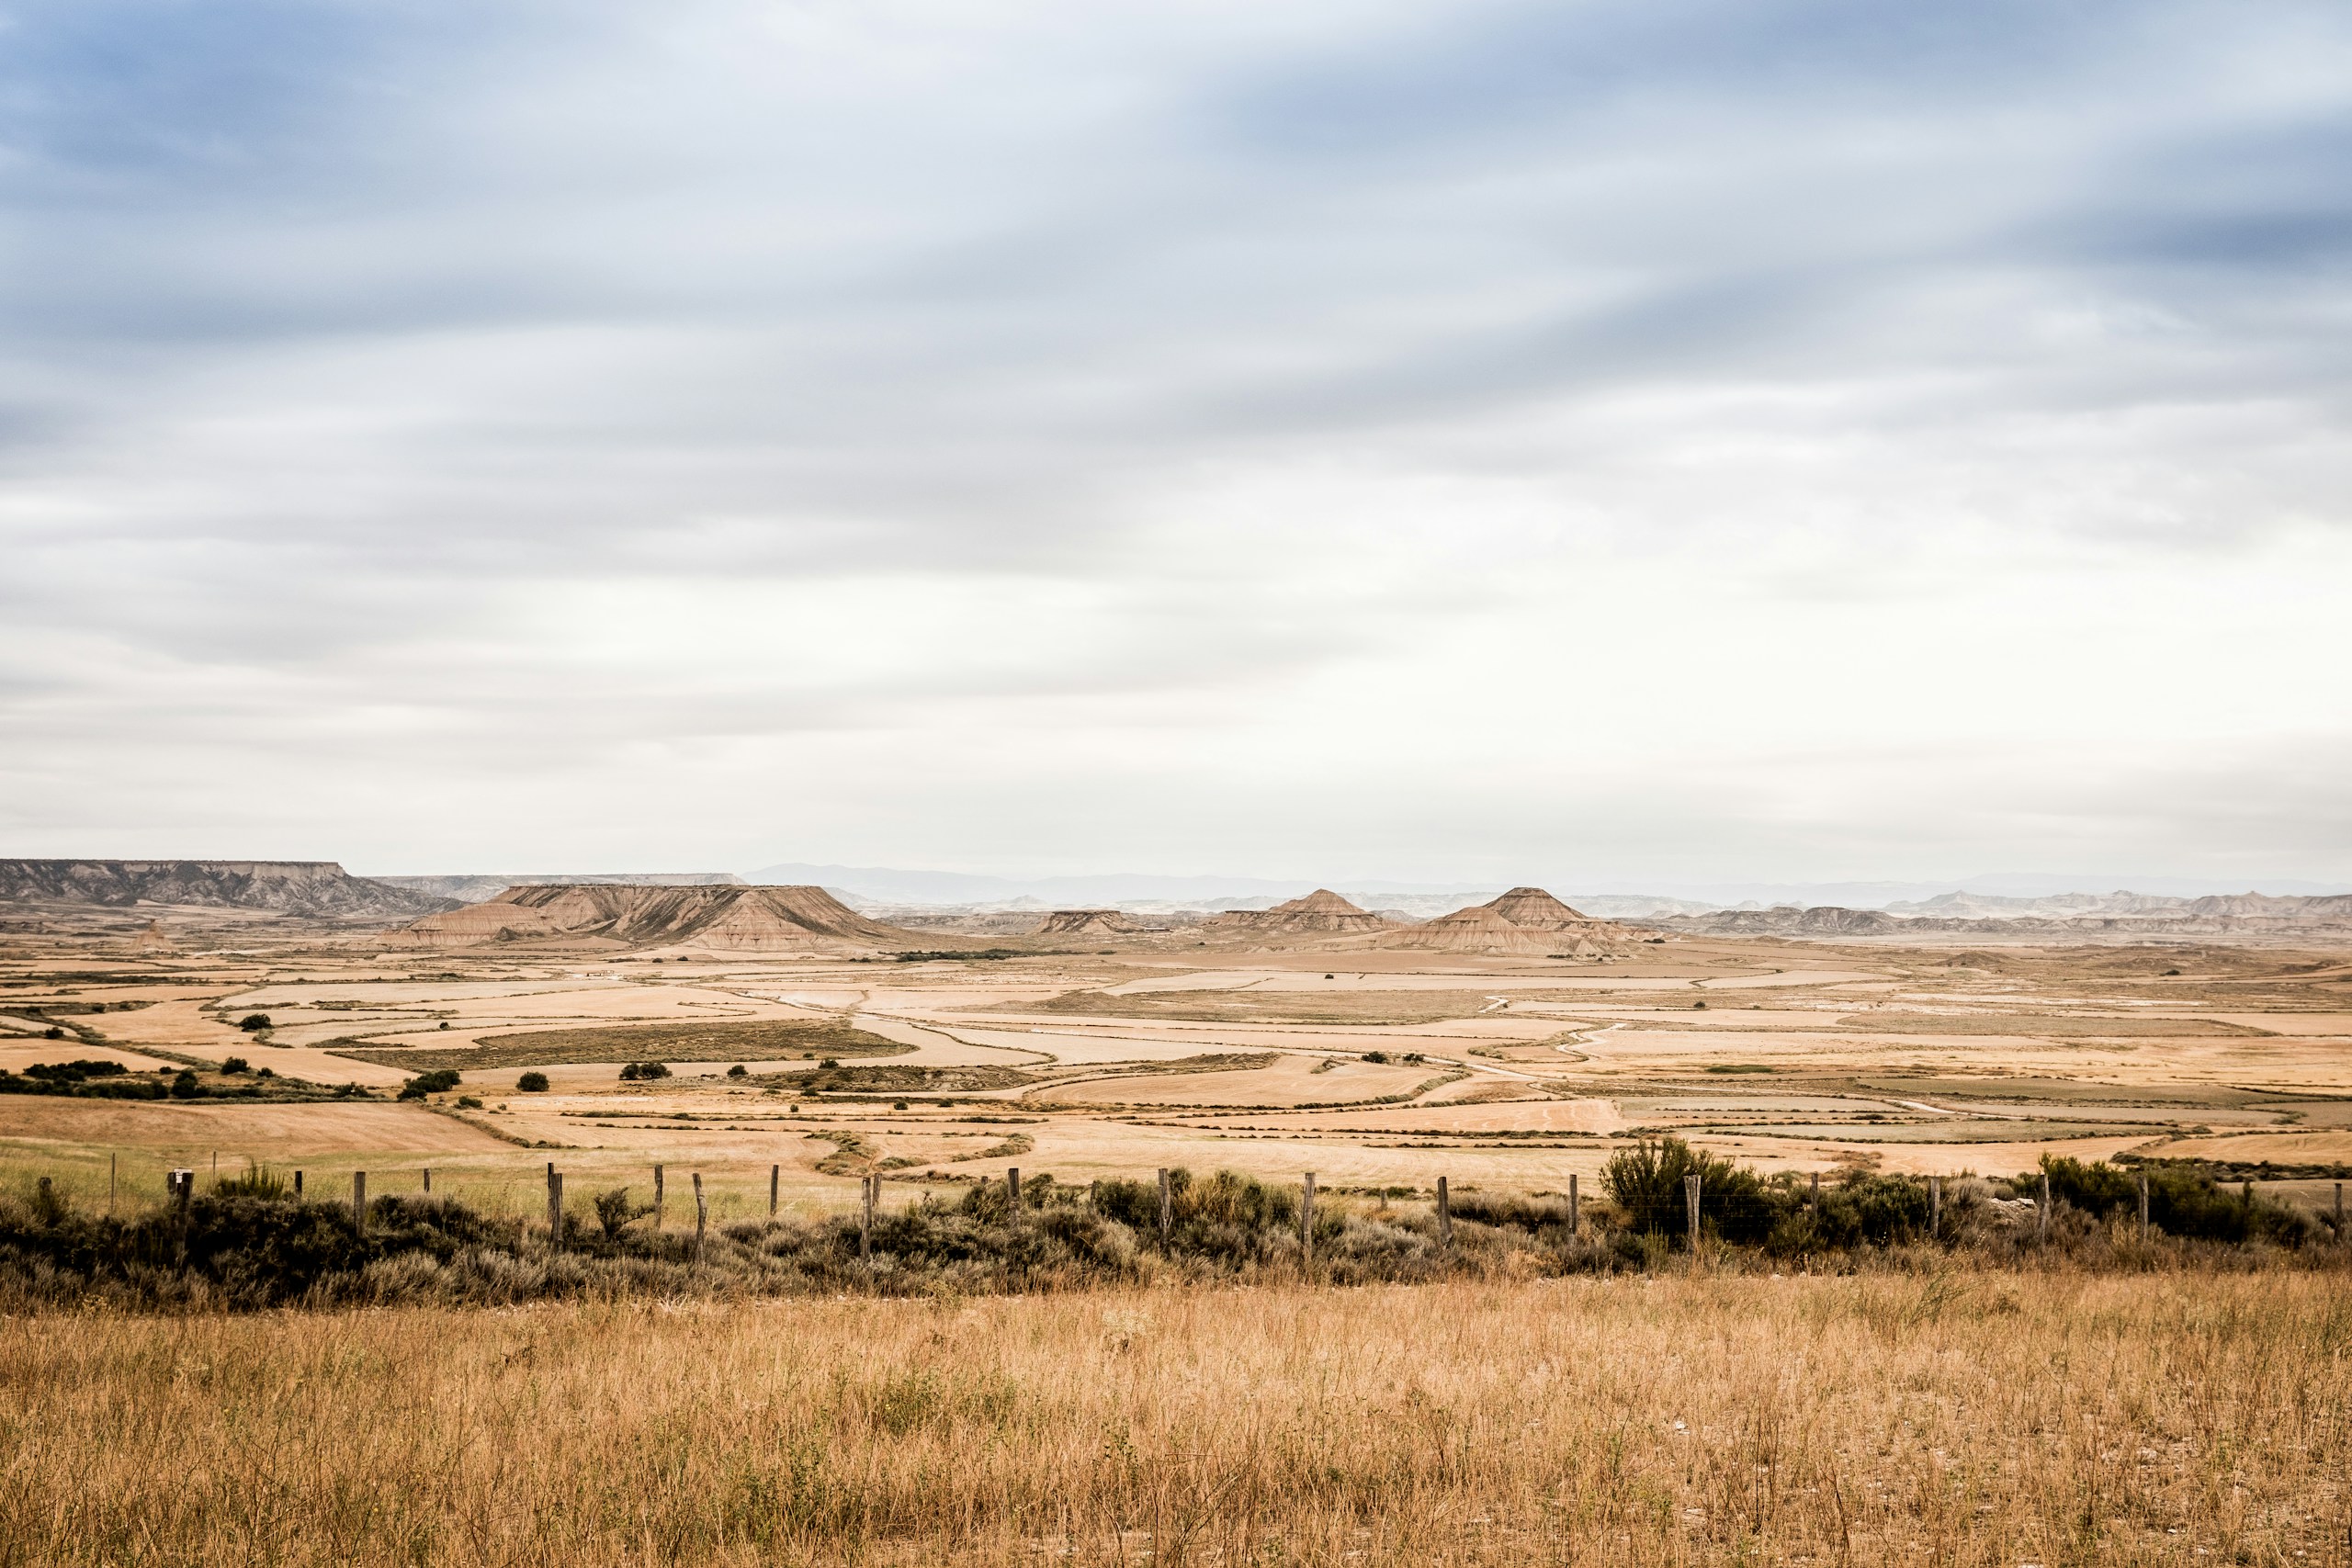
440,1080
236,1064
252,1022
52,1032
644,1072
185,1086
535,1082
254,1181
614,1211
2182,1201
1376,1056
467,1102
1646,1183
738,1071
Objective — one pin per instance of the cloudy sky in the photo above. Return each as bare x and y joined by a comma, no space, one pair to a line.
1602,441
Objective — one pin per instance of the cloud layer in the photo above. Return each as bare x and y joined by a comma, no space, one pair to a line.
1595,442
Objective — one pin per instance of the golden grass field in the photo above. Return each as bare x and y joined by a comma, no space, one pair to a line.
1944,1418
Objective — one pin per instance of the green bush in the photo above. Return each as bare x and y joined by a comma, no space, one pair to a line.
440,1080
253,1021
185,1087
533,1082
236,1064
1646,1183
2182,1201
644,1072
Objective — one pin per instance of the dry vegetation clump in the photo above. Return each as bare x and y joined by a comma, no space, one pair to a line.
1959,1418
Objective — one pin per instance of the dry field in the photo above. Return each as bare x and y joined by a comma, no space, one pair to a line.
1944,1418
1371,1068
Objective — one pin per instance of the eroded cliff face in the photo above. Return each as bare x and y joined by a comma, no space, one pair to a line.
316,889
1321,911
720,919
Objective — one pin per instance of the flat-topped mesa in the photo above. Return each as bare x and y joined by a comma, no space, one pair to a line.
1088,922
716,919
1321,912
315,888
1526,922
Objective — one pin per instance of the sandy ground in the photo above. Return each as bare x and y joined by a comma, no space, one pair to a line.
1538,1072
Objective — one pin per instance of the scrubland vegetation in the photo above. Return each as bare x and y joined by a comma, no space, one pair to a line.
1952,1415
250,1243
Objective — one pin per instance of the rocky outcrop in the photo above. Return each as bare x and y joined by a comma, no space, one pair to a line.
1524,923
713,919
313,888
1320,913
1087,923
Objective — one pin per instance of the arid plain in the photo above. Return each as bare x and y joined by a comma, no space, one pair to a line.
1375,1068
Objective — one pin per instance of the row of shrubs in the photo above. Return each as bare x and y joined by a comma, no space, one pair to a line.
250,1243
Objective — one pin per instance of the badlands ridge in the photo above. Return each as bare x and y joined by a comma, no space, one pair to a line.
1525,921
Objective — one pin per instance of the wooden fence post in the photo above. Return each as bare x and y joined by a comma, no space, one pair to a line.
1012,1192
554,1205
1445,1217
1935,1207
702,1217
865,1219
775,1182
657,1198
429,1180
2144,1205
110,1159
2339,1211
1813,1203
2042,1211
1307,1217
1167,1207
1691,1197
297,1184
183,1191
1575,1208
358,1197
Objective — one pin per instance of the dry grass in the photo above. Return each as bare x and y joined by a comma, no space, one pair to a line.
1953,1418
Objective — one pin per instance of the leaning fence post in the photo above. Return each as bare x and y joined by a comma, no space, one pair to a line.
1167,1207
866,1218
1935,1207
775,1180
657,1198
1575,1208
2042,1211
1307,1217
702,1217
1445,1217
358,1197
2144,1205
1691,1197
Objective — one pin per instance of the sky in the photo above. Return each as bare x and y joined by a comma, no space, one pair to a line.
1612,444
